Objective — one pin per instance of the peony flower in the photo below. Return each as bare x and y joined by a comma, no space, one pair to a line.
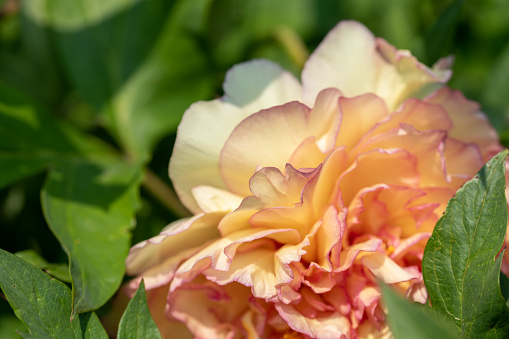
306,195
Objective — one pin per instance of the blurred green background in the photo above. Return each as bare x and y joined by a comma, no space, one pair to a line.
124,71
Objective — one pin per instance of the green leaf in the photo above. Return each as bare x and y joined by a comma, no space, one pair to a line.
406,317
59,271
33,258
496,85
461,264
43,303
442,32
237,29
504,287
136,321
31,139
90,208
32,64
9,326
142,65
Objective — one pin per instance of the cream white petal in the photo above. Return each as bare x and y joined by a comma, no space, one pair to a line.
344,60
205,126
352,60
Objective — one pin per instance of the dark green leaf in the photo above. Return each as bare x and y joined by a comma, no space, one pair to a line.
90,208
136,321
33,258
31,65
237,29
43,303
406,317
10,326
504,287
30,138
59,271
142,65
442,32
461,264
496,86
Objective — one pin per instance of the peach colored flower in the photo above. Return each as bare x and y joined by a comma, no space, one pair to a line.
304,195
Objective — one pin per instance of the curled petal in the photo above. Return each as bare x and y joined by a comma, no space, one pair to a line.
221,252
294,123
271,188
409,242
209,310
470,124
241,157
211,199
360,115
168,327
385,269
330,325
264,269
173,239
348,256
393,167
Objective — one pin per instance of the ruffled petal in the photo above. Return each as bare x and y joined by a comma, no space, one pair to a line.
393,167
253,143
360,114
211,199
219,254
168,327
263,268
176,237
329,325
348,255
271,188
209,310
470,124
386,269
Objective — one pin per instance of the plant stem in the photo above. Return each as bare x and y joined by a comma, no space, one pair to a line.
293,45
164,193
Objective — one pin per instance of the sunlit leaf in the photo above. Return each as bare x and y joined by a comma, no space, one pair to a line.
90,208
43,303
461,264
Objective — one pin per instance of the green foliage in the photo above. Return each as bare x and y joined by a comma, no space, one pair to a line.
406,317
43,303
137,53
461,264
137,321
31,139
91,206
59,271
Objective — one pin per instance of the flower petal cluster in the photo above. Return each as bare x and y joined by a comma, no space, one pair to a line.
306,195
